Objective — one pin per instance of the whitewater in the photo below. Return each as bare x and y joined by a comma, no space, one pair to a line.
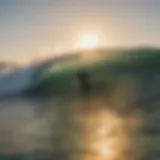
20,80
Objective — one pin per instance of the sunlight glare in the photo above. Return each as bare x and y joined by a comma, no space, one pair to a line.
106,151
89,41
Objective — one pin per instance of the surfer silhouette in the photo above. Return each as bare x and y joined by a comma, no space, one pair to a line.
85,86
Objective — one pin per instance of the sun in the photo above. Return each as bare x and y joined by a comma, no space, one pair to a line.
89,41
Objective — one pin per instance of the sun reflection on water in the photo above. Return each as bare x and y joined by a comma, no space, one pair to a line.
107,134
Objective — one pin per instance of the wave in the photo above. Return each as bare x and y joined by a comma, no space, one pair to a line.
40,77
24,80
141,63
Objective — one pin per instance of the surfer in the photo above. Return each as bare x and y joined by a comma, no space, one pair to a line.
85,86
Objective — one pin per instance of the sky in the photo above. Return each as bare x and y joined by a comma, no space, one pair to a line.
37,28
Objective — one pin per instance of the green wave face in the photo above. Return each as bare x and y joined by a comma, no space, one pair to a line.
62,78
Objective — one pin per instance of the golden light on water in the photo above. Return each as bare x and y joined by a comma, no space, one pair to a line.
106,133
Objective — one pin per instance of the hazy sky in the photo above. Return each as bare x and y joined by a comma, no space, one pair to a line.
31,28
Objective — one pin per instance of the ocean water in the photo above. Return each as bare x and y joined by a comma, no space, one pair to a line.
119,120
112,127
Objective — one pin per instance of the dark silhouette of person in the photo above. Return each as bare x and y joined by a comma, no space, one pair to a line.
84,81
